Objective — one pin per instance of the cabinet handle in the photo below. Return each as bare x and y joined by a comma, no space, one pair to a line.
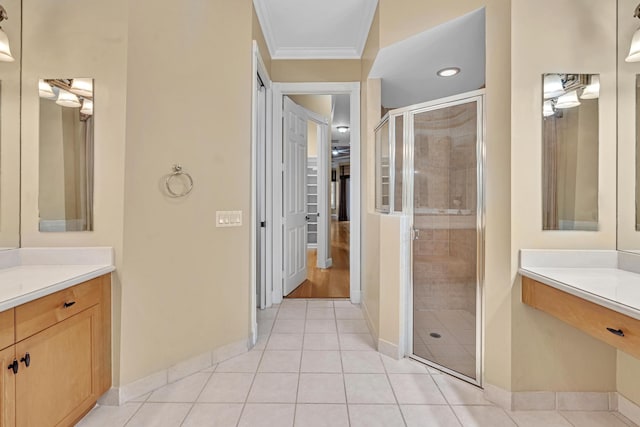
68,304
26,359
617,332
14,366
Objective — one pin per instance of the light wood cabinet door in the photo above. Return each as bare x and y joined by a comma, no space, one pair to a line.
7,388
61,382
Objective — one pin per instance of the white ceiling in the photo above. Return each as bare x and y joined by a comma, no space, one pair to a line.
341,117
408,68
313,29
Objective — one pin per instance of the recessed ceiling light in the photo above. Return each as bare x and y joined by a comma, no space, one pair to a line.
448,72
343,129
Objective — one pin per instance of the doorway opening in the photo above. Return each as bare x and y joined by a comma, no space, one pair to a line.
317,207
328,190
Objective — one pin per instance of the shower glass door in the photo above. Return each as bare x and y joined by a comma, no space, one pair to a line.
447,234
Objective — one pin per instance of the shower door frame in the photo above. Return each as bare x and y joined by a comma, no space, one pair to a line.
409,113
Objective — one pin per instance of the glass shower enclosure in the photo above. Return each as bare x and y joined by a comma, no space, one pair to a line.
441,179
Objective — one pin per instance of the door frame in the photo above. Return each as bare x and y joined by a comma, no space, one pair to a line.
259,69
310,88
324,254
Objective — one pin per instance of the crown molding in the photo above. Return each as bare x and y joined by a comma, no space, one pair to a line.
265,24
365,26
283,52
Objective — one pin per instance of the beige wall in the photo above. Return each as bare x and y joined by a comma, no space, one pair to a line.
391,292
186,282
628,377
10,132
587,48
319,104
329,70
370,101
51,51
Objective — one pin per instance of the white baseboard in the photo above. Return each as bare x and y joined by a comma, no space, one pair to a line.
552,401
389,349
355,296
117,396
367,318
628,409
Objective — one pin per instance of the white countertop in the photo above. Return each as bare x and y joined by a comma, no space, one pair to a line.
592,275
29,274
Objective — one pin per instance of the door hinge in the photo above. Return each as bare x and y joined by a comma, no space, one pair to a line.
263,224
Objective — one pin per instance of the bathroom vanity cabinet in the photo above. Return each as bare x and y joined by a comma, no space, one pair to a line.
612,327
56,355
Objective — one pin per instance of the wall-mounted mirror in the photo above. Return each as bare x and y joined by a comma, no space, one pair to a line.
65,199
570,151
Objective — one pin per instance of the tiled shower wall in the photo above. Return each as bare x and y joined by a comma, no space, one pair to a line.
446,179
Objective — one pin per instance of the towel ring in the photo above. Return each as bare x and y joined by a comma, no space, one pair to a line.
178,172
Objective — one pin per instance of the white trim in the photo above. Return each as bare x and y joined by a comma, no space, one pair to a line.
353,89
322,188
265,25
117,396
628,409
561,401
259,69
367,13
390,349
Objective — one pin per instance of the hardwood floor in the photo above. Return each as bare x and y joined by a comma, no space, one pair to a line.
331,282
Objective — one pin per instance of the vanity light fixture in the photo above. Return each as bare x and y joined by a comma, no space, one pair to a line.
87,107
592,91
553,86
82,87
45,90
67,99
343,129
634,50
448,72
547,109
5,51
568,100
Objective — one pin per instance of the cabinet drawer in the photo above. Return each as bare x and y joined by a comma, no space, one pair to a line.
42,313
616,329
7,333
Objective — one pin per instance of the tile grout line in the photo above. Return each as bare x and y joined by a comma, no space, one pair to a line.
244,405
304,328
193,404
134,413
344,380
386,374
455,414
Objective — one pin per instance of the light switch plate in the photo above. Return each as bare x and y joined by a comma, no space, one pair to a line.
228,218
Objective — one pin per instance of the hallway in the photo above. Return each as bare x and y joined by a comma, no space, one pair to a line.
331,282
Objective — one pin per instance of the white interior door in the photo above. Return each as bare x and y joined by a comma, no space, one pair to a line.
295,195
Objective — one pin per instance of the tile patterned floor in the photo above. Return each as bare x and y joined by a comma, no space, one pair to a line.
315,365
